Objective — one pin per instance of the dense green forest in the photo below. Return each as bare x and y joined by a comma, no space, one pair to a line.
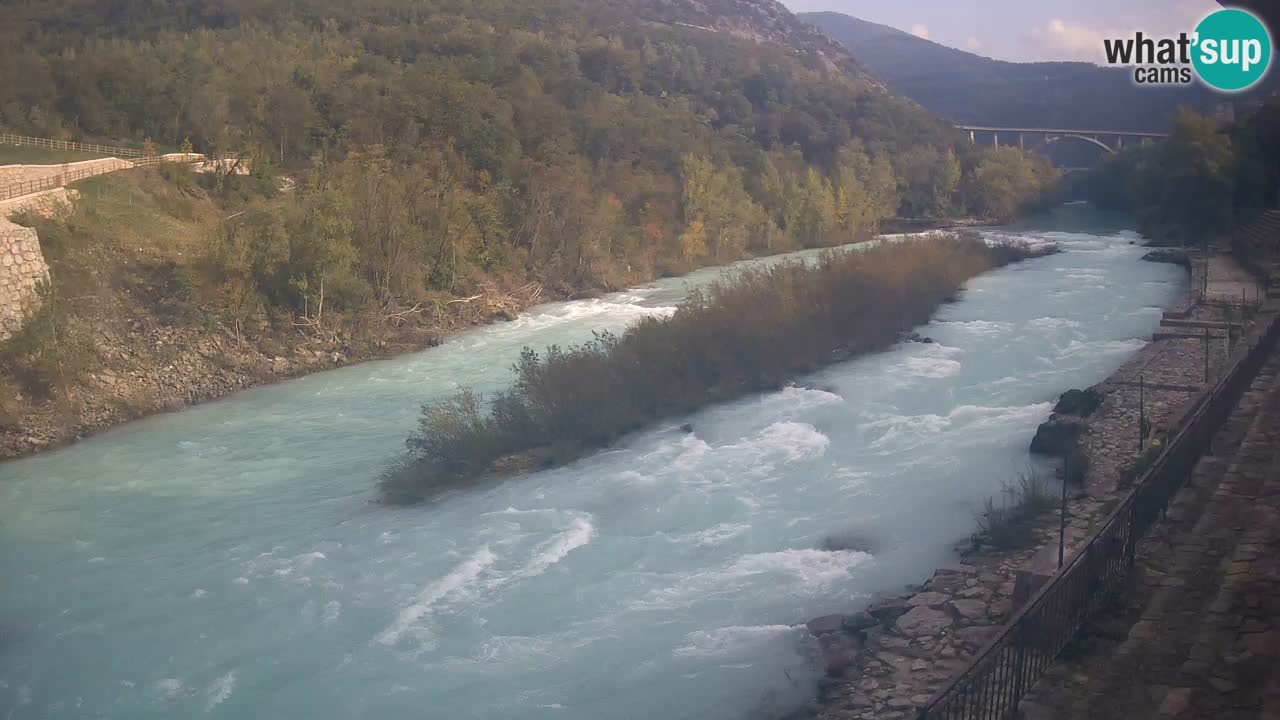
436,142
1199,186
972,89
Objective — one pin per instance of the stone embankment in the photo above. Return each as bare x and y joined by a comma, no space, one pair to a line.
887,660
22,264
1196,634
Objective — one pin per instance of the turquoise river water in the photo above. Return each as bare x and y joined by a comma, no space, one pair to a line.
227,562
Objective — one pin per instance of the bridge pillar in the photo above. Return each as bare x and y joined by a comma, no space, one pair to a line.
971,140
1021,144
1119,142
995,139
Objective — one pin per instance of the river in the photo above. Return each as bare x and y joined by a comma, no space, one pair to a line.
227,560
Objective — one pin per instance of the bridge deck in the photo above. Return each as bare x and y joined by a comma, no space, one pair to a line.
1059,131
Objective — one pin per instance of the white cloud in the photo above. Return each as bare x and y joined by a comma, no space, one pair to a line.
1071,40
972,43
920,30
1061,39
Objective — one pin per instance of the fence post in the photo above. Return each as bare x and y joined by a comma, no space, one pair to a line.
1206,356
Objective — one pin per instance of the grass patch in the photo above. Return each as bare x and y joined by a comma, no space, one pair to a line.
1008,524
750,332
29,155
124,255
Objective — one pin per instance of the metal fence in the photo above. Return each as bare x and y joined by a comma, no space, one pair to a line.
1001,674
11,139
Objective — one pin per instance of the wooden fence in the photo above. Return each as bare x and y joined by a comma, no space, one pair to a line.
122,152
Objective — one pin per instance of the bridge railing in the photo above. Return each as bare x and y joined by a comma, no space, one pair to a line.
11,139
994,682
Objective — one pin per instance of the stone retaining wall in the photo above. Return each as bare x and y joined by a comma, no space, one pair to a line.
22,267
22,264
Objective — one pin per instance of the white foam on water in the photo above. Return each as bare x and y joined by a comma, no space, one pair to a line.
931,367
462,577
714,535
808,568
613,309
733,640
795,440
922,428
169,689
794,398
558,548
981,328
332,611
1053,323
1076,348
221,689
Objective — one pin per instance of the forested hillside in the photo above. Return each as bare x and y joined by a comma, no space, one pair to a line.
968,88
525,108
442,154
1200,186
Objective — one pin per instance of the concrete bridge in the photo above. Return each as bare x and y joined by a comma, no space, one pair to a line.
1111,141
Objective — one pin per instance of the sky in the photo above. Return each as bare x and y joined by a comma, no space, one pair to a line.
1024,30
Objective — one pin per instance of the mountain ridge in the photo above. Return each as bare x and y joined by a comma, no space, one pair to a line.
967,88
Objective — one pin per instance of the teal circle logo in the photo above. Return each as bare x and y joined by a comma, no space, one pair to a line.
1232,50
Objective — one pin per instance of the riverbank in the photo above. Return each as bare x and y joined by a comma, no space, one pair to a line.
150,367
889,659
154,350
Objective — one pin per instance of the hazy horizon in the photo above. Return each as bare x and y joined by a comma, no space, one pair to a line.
1019,31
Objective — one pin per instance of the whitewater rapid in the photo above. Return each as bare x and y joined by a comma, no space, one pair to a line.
226,561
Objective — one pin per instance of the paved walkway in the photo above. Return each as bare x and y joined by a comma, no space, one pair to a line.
1197,634
1229,282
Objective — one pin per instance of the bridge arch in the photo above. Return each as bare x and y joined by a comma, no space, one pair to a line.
1055,138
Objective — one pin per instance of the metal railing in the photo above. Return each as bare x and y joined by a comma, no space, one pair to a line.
1002,673
11,139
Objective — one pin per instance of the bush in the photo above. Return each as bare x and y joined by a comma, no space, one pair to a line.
1134,470
749,332
1008,525
52,351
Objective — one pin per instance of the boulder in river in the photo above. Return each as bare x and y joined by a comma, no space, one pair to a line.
1057,435
1172,256
825,624
849,540
1081,403
915,337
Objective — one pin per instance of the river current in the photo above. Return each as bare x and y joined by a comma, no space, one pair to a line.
226,561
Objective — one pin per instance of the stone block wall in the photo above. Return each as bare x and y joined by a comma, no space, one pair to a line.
22,268
22,264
